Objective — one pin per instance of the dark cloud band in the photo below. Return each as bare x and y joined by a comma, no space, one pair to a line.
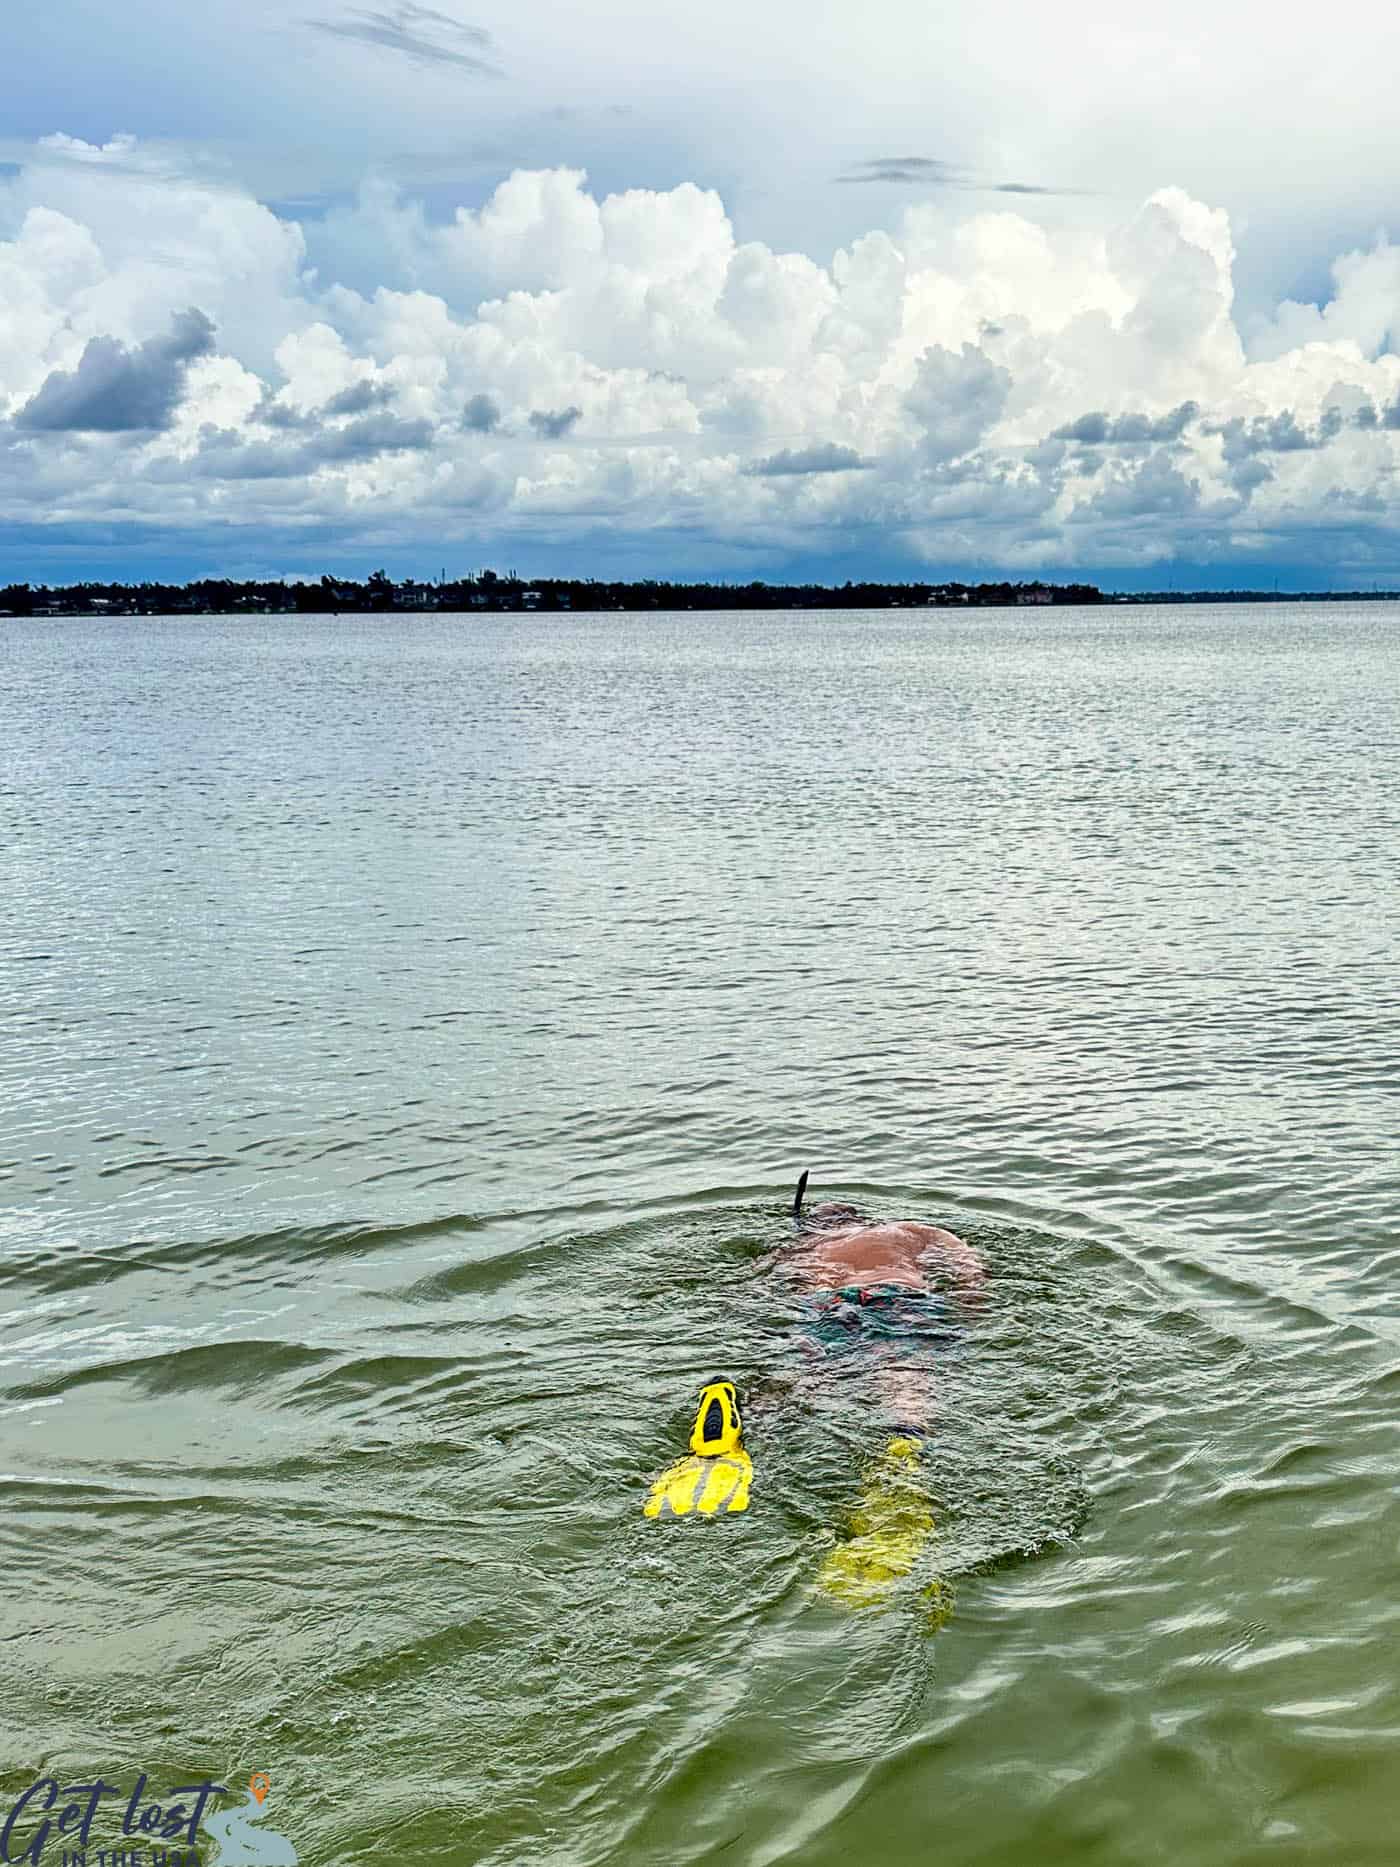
116,390
551,424
826,457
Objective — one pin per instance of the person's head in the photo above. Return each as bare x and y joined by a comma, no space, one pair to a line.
828,1216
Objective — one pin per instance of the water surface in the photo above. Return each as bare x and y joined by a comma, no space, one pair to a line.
413,1029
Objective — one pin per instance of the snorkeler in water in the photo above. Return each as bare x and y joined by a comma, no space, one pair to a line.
884,1300
891,1291
886,1303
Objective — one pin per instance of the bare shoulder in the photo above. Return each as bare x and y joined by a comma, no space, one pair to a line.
931,1234
942,1246
922,1237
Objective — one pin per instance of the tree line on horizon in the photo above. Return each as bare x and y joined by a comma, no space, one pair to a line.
488,590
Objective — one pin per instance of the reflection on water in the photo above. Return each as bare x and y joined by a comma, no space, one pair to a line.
414,1033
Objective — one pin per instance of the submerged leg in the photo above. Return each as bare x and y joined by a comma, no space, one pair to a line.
908,1392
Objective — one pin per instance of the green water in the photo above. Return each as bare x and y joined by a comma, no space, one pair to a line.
412,1032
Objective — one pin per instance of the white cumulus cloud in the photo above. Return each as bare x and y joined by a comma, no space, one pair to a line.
614,374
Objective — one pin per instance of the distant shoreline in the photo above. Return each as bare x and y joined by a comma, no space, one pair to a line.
489,593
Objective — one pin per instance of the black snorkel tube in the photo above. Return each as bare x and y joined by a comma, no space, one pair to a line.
797,1200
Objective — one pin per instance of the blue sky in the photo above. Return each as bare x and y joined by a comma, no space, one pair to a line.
741,292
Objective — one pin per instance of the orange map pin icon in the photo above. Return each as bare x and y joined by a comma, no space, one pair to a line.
259,1782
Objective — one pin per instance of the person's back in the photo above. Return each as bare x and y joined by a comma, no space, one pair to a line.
837,1247
891,1251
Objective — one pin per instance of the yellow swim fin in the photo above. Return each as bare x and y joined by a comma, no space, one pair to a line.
890,1527
717,1475
706,1486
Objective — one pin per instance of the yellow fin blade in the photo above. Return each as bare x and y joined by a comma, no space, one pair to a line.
703,1486
891,1525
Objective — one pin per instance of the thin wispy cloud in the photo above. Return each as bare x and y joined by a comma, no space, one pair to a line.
419,32
906,169
1023,188
930,172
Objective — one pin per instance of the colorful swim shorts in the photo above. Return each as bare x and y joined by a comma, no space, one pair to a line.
844,1319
